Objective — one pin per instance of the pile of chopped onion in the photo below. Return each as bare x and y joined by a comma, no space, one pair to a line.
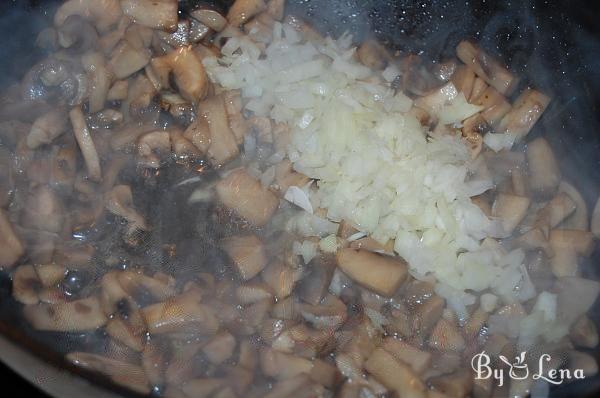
375,165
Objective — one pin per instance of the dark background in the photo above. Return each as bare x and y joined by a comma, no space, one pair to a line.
554,44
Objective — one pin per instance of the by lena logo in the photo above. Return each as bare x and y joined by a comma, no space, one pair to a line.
519,369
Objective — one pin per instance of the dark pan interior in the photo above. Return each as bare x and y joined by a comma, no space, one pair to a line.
554,45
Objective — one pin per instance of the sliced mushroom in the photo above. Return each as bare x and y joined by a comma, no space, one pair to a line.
118,91
125,333
73,316
544,174
494,105
237,123
119,201
373,55
125,60
220,348
136,284
99,80
555,211
247,197
251,293
156,14
457,384
580,218
223,146
446,336
153,148
283,366
486,67
86,144
247,253
183,313
418,360
313,287
26,285
581,242
198,133
584,333
46,128
123,373
189,73
11,247
330,314
394,374
511,210
381,274
243,10
526,111
280,278
104,13
575,297
44,211
210,18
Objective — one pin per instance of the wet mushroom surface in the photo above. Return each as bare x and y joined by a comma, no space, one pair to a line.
211,204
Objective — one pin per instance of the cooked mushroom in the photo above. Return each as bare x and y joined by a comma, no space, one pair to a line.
125,60
581,242
11,247
242,10
575,297
544,174
44,211
487,67
26,285
157,14
223,145
153,147
494,105
511,210
446,336
46,128
418,360
281,365
580,218
394,374
247,197
210,18
86,144
381,274
247,253
104,13
190,77
584,333
526,111
313,287
373,55
123,373
77,34
457,384
99,80
73,316
118,91
119,201
183,313
202,388
123,332
220,348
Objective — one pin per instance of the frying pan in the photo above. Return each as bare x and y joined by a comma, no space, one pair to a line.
555,46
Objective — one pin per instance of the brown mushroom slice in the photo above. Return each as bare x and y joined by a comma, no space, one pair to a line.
575,297
313,288
495,106
555,211
154,362
511,210
44,211
223,146
189,73
463,79
73,316
46,128
330,314
153,147
181,313
210,18
247,253
160,287
418,360
104,13
373,55
370,244
125,333
433,101
243,10
220,348
580,218
125,60
382,274
11,247
233,107
26,285
119,201
99,80
584,333
280,278
285,177
86,144
50,274
247,197
544,173
581,241
118,91
155,14
445,336
486,67
182,147
564,261
526,111
282,366
427,315
128,135
394,374
123,373
198,133
250,293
